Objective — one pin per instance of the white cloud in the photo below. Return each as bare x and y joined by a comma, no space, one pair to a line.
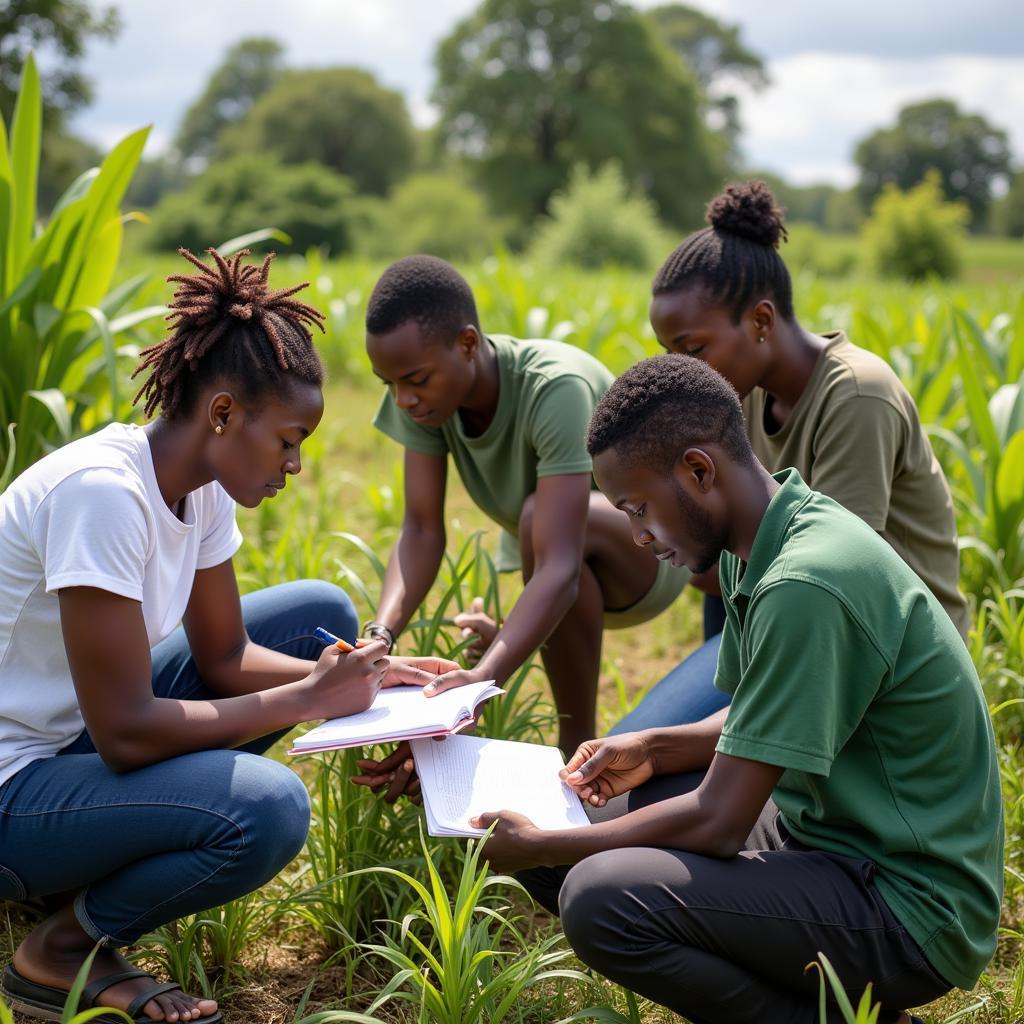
820,104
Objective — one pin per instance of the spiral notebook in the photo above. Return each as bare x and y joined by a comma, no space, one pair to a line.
400,713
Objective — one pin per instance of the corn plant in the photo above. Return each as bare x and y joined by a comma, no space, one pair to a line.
59,318
462,959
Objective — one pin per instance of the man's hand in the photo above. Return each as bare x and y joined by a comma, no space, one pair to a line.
601,769
417,671
394,776
515,842
476,622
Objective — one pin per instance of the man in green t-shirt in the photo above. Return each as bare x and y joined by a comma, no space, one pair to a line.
512,415
846,803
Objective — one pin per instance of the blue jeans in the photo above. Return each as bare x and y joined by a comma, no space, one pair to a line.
148,846
687,694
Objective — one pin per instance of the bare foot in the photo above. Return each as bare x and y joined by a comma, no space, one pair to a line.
53,952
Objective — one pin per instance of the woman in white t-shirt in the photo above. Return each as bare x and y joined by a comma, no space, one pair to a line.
130,789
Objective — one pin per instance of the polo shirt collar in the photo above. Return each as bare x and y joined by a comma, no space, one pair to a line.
775,525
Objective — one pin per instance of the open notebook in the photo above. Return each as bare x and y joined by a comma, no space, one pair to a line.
463,776
400,713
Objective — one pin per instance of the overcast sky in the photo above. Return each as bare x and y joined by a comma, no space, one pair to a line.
838,70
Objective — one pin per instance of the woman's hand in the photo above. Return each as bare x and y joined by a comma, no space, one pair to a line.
345,684
601,769
417,671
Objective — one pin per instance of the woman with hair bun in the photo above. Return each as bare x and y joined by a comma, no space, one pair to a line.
131,793
836,412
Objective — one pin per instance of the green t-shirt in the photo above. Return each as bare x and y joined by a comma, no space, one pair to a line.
845,671
547,391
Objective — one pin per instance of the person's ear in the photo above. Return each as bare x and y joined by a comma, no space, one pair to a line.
763,317
695,471
221,410
467,341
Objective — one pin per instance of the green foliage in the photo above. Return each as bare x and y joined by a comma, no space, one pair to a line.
915,234
528,90
339,117
61,27
595,222
249,69
464,959
712,51
427,213
1008,212
309,202
966,152
59,318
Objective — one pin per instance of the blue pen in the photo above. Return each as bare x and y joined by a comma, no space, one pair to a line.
329,638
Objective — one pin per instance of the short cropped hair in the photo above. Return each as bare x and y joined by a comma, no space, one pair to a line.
664,405
425,289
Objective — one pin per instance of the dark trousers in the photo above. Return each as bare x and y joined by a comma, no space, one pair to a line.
729,941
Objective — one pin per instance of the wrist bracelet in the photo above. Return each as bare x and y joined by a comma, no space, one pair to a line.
378,631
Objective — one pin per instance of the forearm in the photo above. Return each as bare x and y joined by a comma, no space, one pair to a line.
254,669
162,728
684,822
545,599
685,748
412,569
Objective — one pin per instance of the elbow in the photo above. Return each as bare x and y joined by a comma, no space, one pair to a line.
720,837
123,753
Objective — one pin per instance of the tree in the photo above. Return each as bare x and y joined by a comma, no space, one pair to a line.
57,27
249,69
968,153
528,89
232,197
713,52
339,117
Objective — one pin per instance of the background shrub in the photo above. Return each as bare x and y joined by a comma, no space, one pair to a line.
309,201
596,222
915,234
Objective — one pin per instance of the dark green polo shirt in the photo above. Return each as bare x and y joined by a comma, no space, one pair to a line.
846,671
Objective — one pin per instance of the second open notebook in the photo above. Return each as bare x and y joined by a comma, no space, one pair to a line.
463,776
400,713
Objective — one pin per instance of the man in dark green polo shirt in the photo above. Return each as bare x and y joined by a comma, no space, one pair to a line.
847,802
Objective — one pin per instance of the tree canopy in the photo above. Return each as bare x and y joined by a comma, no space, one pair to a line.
248,70
528,90
342,118
968,153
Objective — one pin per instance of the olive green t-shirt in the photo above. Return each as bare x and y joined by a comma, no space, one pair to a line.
855,435
547,391
845,671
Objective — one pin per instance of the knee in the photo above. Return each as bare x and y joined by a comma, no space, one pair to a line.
325,603
271,804
587,905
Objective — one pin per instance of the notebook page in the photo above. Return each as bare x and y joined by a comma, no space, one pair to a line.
462,776
398,711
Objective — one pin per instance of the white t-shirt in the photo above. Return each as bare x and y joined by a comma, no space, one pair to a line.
90,515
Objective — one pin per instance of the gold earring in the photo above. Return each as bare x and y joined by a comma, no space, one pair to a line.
220,430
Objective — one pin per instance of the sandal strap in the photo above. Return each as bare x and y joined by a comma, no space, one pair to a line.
94,988
137,1004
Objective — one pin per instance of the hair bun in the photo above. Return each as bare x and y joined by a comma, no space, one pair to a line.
749,211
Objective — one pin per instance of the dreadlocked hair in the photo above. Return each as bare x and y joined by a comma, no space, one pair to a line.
227,323
736,259
663,405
